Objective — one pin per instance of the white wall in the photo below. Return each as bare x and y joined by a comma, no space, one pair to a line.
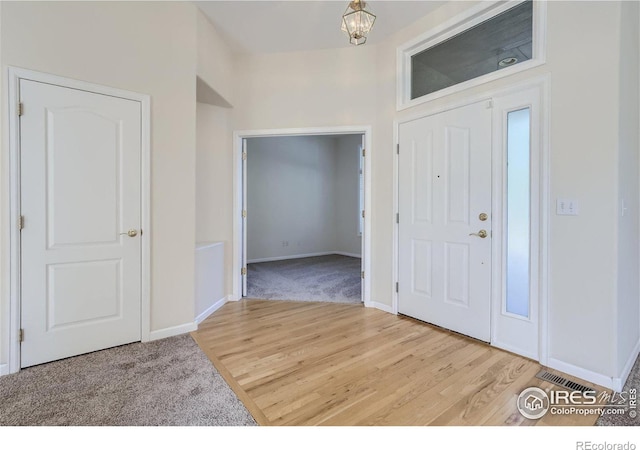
302,191
146,47
306,89
127,46
358,86
628,308
214,181
583,248
591,142
215,61
214,188
209,276
583,166
346,198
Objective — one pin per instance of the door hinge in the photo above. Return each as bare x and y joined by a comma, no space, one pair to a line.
244,156
363,152
398,149
489,104
362,275
397,217
363,213
20,222
21,335
20,109
244,213
243,271
397,287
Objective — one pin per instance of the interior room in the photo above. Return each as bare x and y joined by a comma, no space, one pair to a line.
491,149
305,197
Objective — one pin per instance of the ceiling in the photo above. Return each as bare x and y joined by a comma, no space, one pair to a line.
295,25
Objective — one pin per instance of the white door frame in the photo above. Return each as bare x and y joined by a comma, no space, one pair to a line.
238,136
15,75
541,184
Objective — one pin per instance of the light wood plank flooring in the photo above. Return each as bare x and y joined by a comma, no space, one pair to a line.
302,363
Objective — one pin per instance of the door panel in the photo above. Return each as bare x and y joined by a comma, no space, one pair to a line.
80,189
100,286
457,185
422,179
422,259
65,152
457,273
445,184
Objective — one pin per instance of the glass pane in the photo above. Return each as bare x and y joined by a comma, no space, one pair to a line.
502,41
518,211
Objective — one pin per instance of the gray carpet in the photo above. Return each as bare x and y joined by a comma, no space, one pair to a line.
332,278
633,382
165,382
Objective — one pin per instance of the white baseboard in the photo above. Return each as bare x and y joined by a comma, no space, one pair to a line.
618,383
380,306
210,310
4,369
351,255
304,255
512,349
584,374
282,258
234,298
173,331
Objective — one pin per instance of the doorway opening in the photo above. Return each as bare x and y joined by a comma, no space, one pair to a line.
300,230
304,239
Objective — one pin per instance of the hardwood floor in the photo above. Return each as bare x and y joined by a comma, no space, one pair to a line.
302,363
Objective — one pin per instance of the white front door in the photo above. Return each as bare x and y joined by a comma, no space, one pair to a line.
445,211
80,191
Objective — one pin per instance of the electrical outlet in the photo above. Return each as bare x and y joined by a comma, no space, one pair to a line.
566,207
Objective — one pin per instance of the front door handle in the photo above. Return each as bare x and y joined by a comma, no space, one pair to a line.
131,233
481,234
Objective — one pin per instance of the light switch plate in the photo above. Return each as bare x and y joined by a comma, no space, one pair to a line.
566,207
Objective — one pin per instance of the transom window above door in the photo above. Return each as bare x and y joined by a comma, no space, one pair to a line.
483,44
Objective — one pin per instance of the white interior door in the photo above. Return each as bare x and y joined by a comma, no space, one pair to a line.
445,193
80,191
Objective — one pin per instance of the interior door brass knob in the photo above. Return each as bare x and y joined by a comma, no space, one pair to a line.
483,216
131,233
481,234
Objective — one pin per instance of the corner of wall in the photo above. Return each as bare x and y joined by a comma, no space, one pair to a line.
215,59
173,331
627,316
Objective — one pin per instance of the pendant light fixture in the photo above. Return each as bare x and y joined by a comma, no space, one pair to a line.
357,22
